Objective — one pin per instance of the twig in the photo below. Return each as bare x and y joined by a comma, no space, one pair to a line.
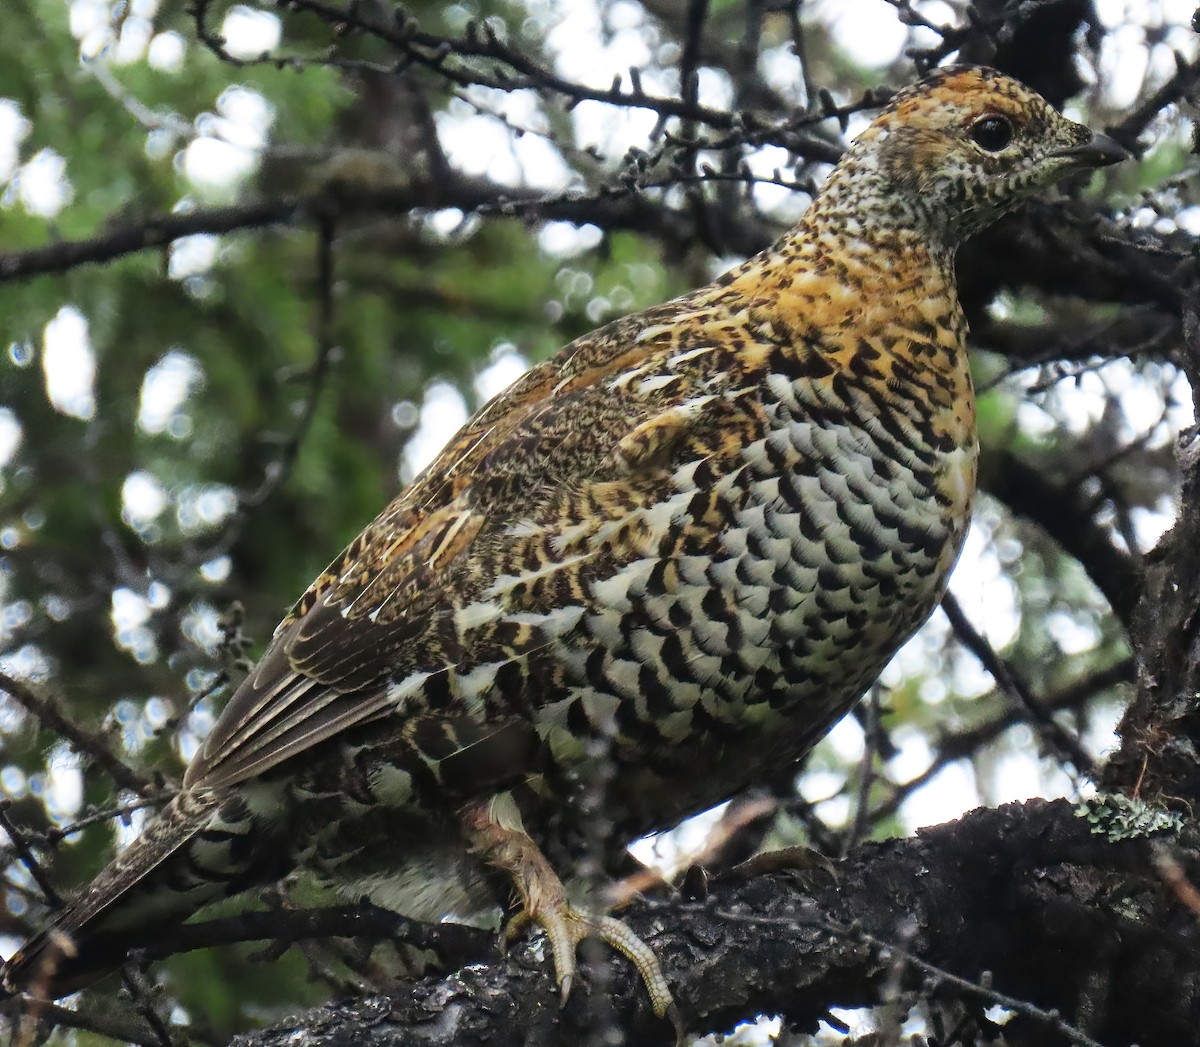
1051,1019
1185,77
1007,680
48,714
800,50
140,993
110,1022
689,80
156,231
480,41
961,744
286,460
467,194
56,834
872,729
28,858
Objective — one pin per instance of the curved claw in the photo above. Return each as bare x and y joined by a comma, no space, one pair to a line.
566,927
544,902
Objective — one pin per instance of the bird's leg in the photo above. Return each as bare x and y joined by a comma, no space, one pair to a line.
494,831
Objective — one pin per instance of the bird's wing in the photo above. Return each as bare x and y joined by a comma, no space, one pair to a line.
600,421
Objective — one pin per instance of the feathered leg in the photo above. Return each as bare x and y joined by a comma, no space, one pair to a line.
494,831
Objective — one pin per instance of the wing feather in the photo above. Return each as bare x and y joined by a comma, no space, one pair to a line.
337,660
311,727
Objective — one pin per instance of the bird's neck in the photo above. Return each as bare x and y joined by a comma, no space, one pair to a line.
853,280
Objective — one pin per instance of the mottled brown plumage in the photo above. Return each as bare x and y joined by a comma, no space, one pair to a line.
662,564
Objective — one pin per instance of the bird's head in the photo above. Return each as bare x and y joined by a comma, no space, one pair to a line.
957,149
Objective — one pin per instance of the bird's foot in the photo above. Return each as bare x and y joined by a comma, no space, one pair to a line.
494,832
566,927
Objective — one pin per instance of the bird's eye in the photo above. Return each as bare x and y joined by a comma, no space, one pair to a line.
992,133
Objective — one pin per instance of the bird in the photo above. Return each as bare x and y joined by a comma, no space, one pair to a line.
656,569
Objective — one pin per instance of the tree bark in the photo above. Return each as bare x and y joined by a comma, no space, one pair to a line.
1032,901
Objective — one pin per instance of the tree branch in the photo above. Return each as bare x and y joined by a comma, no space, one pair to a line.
1160,732
47,713
1009,682
473,195
1057,915
455,943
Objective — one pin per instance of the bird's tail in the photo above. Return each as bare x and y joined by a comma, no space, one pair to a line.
187,856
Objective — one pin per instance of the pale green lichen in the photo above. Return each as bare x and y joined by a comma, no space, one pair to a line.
1121,817
1127,909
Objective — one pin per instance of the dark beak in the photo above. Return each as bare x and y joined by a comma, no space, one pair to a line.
1098,151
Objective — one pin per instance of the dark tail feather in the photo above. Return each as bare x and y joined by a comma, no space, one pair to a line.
50,964
135,896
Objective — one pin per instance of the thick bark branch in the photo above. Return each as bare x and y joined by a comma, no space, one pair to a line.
1160,733
1062,918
